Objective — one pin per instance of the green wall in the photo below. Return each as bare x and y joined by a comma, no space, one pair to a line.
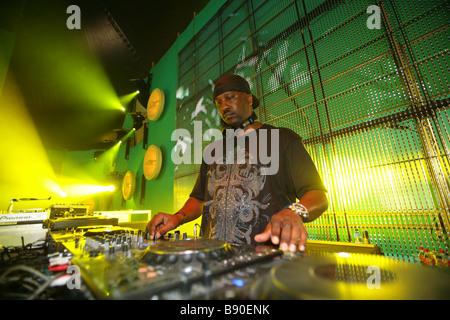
159,193
371,102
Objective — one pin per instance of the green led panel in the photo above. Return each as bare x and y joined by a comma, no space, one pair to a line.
366,85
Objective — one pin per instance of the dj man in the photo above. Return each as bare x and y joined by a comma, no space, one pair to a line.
241,201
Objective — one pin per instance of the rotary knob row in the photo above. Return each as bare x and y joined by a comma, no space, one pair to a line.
176,236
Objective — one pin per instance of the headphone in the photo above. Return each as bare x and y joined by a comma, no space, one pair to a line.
225,126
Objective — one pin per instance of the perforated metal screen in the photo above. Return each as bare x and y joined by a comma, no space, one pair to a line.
366,85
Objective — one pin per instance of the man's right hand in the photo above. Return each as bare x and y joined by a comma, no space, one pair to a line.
162,223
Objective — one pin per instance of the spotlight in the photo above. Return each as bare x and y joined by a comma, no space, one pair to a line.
143,86
138,120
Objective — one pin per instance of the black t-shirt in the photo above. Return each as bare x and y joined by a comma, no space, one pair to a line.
244,181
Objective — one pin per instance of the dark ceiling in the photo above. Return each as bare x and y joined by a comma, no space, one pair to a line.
65,75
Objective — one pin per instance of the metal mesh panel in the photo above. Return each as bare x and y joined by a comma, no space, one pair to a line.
370,102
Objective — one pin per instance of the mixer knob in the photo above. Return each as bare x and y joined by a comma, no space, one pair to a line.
177,236
93,253
214,254
187,258
251,270
172,258
241,273
184,236
201,256
160,258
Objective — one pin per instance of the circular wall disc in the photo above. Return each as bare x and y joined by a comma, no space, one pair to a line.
155,104
152,162
128,185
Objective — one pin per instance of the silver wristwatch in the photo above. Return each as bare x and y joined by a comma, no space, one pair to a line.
300,210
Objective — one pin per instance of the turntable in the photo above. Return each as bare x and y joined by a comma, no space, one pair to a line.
187,251
345,276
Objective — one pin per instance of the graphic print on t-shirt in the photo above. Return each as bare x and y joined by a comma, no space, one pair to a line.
236,203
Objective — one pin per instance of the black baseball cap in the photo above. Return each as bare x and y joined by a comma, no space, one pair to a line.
233,83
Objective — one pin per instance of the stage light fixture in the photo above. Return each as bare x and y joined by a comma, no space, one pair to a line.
138,121
143,87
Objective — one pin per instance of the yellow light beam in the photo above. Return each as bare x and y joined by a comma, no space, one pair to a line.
126,99
26,171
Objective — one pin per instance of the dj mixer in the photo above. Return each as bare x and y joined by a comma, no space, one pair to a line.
123,263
